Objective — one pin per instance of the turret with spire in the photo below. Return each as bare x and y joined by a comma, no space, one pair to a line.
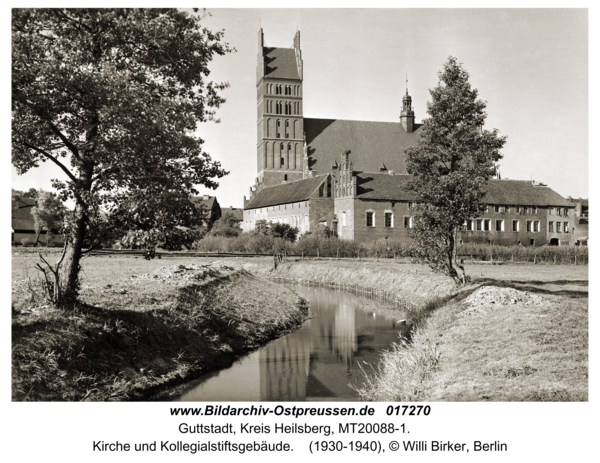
407,116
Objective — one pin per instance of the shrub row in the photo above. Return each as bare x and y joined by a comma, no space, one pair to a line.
313,245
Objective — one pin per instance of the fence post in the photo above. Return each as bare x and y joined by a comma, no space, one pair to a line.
534,259
376,257
394,256
337,257
317,253
575,259
554,259
302,255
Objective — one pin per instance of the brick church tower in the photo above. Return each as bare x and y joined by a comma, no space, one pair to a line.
280,127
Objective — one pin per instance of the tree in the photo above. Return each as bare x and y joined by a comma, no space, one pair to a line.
17,194
47,213
451,165
276,230
112,97
227,225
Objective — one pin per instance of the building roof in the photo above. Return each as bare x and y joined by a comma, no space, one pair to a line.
523,192
238,213
285,193
370,144
327,218
502,192
23,224
383,186
280,63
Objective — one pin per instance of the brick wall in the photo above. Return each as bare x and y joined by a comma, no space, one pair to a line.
363,232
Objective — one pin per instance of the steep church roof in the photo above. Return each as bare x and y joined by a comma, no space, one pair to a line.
280,63
500,192
371,144
285,193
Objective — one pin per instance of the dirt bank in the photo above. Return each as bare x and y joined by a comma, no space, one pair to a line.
138,335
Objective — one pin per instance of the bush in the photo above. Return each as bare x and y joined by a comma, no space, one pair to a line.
27,242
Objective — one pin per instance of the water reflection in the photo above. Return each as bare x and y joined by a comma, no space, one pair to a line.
316,362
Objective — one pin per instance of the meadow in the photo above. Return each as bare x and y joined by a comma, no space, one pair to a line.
138,331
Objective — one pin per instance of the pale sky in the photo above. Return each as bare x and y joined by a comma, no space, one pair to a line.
530,65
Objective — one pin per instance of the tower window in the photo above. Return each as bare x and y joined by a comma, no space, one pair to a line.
282,162
285,177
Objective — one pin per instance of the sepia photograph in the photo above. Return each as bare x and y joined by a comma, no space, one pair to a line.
299,205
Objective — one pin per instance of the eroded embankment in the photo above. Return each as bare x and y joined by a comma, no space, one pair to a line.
213,314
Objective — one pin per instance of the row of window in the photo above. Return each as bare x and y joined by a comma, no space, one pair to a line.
486,225
294,221
470,225
501,209
563,211
284,107
518,209
560,226
281,89
278,208
287,129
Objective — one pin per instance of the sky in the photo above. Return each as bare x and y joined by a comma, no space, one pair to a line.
530,65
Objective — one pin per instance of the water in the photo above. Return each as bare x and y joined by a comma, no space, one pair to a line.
316,362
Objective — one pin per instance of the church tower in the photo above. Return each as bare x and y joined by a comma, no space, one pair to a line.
407,116
280,127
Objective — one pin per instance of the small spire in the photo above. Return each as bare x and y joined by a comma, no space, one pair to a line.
407,82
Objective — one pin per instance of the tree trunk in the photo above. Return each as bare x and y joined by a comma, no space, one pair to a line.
451,257
69,272
38,232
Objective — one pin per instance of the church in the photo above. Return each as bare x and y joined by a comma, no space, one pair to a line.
351,176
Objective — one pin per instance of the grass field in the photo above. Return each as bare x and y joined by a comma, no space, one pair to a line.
133,335
502,352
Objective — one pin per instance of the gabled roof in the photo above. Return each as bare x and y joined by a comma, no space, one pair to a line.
501,192
372,144
238,213
523,192
285,193
280,63
208,203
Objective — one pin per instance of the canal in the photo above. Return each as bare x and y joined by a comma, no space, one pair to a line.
318,362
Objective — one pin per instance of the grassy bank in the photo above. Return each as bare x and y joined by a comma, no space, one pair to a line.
415,283
494,343
141,327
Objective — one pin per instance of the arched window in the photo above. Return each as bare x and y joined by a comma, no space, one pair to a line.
281,147
285,177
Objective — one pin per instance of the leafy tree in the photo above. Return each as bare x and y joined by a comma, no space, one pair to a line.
276,230
227,225
31,193
261,227
284,230
113,97
140,222
451,165
47,213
